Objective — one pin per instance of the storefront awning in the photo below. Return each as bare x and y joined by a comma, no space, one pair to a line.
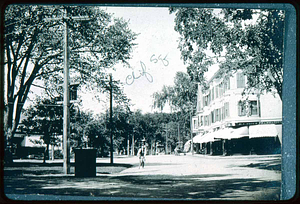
197,138
227,133
268,130
230,133
209,137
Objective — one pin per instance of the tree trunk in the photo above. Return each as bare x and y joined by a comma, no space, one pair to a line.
46,153
132,147
8,147
151,149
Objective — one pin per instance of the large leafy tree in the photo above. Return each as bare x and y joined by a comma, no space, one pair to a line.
182,98
33,51
247,39
44,117
98,135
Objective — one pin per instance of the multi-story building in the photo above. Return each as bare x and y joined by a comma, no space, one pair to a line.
228,121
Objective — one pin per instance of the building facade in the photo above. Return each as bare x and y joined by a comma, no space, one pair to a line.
228,121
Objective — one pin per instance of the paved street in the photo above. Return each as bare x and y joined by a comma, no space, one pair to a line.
166,176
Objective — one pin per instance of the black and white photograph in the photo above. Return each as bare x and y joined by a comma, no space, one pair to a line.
146,102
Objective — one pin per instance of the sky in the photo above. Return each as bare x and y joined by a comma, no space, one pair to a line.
156,53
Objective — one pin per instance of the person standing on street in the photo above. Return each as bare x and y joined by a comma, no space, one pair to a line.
141,154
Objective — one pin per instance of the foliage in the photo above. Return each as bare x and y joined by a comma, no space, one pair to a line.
33,50
96,132
247,39
44,117
182,97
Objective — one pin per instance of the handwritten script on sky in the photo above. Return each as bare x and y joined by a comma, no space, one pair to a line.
155,59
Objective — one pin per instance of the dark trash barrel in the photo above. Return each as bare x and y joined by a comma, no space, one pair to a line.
85,162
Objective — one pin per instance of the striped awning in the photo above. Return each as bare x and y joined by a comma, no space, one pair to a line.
268,130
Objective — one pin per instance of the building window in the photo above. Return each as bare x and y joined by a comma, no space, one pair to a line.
207,100
199,103
248,108
240,80
253,108
201,121
226,109
241,108
217,115
221,89
226,85
213,93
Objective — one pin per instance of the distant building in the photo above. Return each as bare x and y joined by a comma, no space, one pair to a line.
228,122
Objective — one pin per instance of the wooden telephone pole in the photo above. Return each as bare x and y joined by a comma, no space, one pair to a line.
66,101
191,126
110,120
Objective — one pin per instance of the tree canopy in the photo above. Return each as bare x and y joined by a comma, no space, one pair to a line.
182,97
33,51
246,39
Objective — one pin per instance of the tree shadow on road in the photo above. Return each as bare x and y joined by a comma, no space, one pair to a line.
207,186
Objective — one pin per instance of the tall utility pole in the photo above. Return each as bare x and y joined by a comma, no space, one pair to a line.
192,143
179,144
66,102
132,145
110,121
166,138
128,145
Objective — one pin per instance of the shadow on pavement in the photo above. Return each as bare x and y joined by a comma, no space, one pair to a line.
270,165
150,186
60,164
